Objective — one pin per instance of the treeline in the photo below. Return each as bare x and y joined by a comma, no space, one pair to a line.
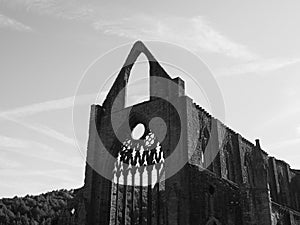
43,209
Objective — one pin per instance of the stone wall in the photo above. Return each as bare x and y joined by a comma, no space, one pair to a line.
225,179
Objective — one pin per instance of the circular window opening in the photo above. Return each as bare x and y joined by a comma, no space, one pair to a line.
138,131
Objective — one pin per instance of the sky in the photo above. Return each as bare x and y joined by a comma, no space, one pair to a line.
252,49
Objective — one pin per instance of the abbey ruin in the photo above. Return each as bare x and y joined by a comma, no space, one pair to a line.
224,178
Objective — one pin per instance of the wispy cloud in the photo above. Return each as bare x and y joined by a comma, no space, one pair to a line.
258,67
61,174
37,150
194,33
9,23
16,115
8,142
33,148
47,131
67,9
39,180
30,181
56,104
7,163
11,187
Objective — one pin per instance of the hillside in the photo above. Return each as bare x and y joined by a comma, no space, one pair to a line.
43,209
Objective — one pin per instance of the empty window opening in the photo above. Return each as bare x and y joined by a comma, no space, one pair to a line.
138,87
138,131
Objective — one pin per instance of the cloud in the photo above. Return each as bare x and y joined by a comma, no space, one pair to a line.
67,9
60,174
36,181
194,33
7,163
29,181
9,23
34,148
8,142
258,67
48,132
14,115
17,187
57,104
38,150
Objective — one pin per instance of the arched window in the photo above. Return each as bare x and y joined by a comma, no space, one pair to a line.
141,151
213,221
205,137
229,158
138,89
248,165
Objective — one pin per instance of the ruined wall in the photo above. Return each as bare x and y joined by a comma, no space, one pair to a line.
226,179
295,188
284,184
213,198
230,158
284,215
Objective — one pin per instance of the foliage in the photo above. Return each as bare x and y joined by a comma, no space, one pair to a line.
43,209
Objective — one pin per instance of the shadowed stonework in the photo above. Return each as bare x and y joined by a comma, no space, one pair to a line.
225,179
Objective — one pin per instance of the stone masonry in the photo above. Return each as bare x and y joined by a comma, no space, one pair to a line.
241,186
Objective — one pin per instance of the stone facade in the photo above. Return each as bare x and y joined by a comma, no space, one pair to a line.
225,179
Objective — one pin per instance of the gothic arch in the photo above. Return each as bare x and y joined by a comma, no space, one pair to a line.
249,168
116,95
205,137
213,221
229,159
